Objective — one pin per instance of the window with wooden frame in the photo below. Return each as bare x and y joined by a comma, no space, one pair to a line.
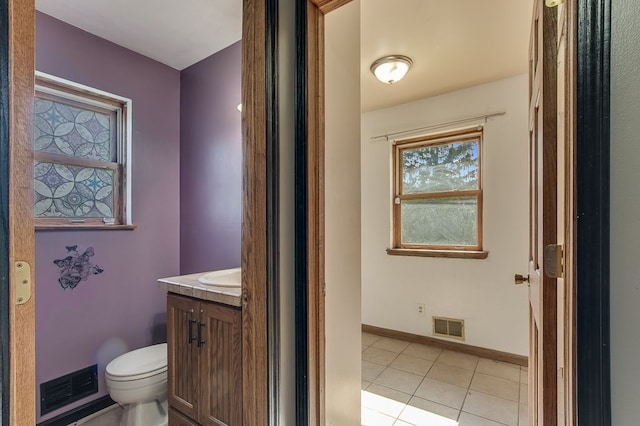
82,155
437,202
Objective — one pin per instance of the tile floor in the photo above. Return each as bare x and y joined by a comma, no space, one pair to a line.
108,417
405,384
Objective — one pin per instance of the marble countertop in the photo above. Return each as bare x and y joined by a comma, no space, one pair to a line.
188,285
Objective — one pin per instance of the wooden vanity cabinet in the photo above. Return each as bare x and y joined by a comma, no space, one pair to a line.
183,378
204,362
177,419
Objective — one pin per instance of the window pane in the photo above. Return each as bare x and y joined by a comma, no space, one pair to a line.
75,192
75,132
443,221
440,168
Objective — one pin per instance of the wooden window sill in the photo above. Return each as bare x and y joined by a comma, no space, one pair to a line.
85,227
455,254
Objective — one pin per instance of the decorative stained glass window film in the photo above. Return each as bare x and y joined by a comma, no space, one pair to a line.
70,130
73,192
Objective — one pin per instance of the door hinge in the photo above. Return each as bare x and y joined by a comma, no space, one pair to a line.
324,289
553,255
22,278
245,298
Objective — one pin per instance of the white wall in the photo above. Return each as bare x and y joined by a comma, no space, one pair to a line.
342,209
625,204
481,292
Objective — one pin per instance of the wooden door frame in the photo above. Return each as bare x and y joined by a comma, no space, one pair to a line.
16,91
567,25
309,210
543,295
260,201
591,378
4,210
260,213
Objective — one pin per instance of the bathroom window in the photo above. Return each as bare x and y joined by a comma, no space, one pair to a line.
81,143
437,200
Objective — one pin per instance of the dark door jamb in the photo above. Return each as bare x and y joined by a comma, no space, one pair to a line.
593,387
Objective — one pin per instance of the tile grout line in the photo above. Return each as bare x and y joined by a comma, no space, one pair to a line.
520,394
385,368
413,394
475,369
425,376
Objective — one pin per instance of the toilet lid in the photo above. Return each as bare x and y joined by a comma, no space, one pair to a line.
140,363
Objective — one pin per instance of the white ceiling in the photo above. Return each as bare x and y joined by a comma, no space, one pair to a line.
176,33
453,43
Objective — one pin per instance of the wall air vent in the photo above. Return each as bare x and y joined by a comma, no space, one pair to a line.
69,388
448,327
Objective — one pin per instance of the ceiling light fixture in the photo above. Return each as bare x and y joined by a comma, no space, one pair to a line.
239,107
391,69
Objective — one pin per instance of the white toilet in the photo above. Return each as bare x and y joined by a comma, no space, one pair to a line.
139,380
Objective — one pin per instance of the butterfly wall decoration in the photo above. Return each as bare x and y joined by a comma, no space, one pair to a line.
76,267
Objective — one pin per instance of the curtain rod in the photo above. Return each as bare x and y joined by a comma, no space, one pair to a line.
436,126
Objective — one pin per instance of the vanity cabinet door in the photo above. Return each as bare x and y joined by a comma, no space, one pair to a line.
220,365
183,354
177,419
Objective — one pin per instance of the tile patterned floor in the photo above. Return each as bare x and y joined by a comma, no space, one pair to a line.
107,417
408,384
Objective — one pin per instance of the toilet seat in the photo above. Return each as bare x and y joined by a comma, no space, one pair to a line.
138,364
137,377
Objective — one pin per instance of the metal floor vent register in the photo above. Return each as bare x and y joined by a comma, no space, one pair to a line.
69,388
448,327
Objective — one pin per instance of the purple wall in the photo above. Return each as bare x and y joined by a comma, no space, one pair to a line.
122,308
211,163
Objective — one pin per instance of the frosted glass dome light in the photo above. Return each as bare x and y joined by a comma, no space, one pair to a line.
391,69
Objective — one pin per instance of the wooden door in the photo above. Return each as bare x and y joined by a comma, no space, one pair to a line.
220,347
182,357
551,207
565,68
543,212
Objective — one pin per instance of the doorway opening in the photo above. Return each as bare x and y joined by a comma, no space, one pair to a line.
477,72
384,181
181,69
